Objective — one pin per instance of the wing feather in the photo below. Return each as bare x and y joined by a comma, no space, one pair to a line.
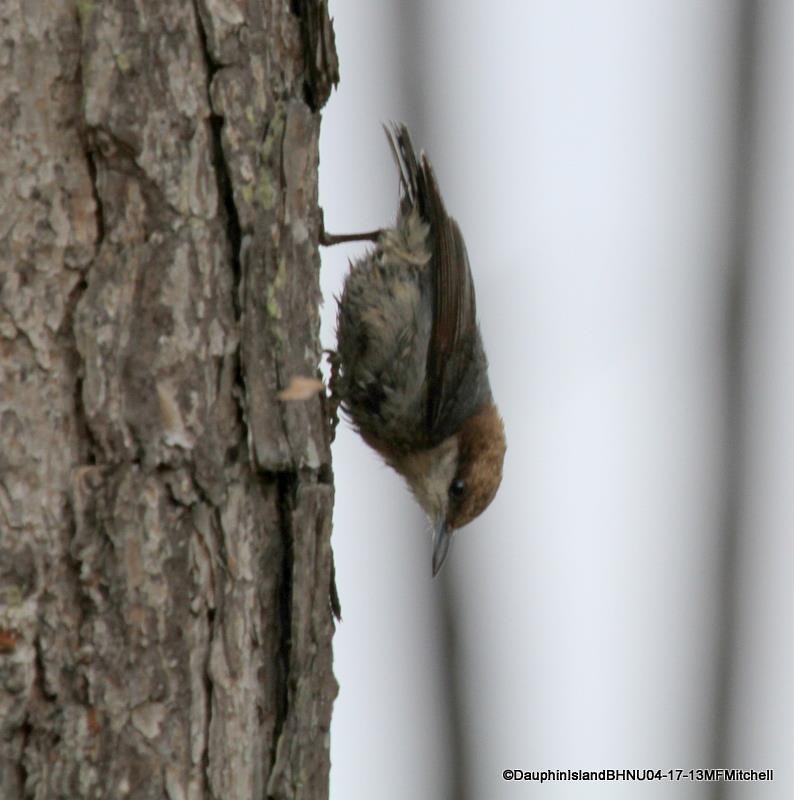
454,336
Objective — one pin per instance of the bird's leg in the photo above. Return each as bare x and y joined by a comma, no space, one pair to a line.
327,239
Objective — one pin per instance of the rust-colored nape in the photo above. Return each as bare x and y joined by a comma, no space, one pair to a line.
481,455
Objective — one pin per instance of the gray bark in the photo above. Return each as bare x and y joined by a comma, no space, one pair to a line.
165,561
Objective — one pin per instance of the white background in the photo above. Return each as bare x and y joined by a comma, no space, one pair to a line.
589,152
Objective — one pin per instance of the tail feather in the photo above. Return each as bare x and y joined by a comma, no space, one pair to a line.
408,165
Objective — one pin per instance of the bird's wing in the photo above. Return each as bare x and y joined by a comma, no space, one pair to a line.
454,334
454,330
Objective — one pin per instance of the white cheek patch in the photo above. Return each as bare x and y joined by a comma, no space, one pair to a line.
429,474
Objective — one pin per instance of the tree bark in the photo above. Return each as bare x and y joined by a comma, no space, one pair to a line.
165,561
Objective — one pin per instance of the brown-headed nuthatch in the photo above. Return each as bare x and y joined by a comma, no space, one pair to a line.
411,372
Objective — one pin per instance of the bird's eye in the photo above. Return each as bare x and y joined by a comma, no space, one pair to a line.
457,488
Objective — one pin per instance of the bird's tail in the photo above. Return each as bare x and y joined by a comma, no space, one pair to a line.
418,185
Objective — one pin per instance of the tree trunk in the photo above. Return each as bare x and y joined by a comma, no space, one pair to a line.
165,561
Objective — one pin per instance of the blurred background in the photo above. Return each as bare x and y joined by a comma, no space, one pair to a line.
623,172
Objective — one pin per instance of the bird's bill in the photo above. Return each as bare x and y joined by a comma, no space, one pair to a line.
441,543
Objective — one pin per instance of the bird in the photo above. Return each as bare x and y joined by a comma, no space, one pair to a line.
410,370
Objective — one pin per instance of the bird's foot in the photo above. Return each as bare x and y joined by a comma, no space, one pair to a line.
328,239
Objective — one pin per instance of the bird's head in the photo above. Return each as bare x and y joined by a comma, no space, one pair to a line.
456,480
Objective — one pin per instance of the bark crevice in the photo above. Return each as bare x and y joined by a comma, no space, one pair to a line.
93,173
285,486
233,227
208,699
